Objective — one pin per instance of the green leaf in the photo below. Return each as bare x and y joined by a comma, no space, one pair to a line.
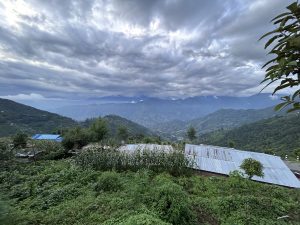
280,106
271,32
281,87
295,94
293,63
271,40
267,63
293,7
281,15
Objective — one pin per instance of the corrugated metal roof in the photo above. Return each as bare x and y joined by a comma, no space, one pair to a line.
149,147
224,160
53,137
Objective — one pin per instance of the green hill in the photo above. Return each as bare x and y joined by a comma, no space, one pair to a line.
114,122
280,135
16,117
221,119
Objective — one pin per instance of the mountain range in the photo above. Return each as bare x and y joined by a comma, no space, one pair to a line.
16,117
151,112
221,119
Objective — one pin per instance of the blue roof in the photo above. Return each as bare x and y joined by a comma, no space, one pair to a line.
224,160
50,137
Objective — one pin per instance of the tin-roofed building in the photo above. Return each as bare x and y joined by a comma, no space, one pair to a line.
130,148
47,137
221,160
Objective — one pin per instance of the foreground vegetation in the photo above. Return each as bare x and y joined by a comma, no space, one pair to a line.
61,192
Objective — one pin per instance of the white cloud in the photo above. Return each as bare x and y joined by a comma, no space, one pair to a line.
82,49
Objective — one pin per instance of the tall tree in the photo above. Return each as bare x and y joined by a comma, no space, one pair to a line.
123,133
285,66
98,130
191,133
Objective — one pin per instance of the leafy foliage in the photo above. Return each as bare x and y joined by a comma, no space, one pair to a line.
98,130
57,192
75,138
108,159
123,133
20,140
252,168
284,67
191,133
109,181
143,219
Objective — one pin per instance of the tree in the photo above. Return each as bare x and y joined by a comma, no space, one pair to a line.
98,130
191,133
123,133
231,144
20,140
285,66
75,138
252,167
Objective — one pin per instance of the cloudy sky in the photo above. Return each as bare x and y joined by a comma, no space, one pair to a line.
77,50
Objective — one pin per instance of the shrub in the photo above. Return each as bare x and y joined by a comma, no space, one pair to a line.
172,202
50,150
5,151
98,130
109,181
4,217
143,219
75,138
20,140
252,167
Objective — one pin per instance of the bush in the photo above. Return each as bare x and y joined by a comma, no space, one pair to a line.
252,167
98,130
50,150
172,202
143,219
5,151
109,181
75,138
20,140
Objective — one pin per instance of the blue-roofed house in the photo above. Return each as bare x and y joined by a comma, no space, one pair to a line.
47,137
221,160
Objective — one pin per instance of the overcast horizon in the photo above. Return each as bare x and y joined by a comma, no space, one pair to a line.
73,51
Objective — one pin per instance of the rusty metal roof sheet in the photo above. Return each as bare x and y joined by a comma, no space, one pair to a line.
224,160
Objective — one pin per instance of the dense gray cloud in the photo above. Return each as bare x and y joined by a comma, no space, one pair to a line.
173,48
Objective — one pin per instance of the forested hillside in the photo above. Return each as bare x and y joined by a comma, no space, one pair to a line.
16,117
280,135
115,122
221,119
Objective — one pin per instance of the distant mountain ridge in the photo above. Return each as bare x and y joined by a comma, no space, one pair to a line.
151,111
221,119
16,117
114,122
279,134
